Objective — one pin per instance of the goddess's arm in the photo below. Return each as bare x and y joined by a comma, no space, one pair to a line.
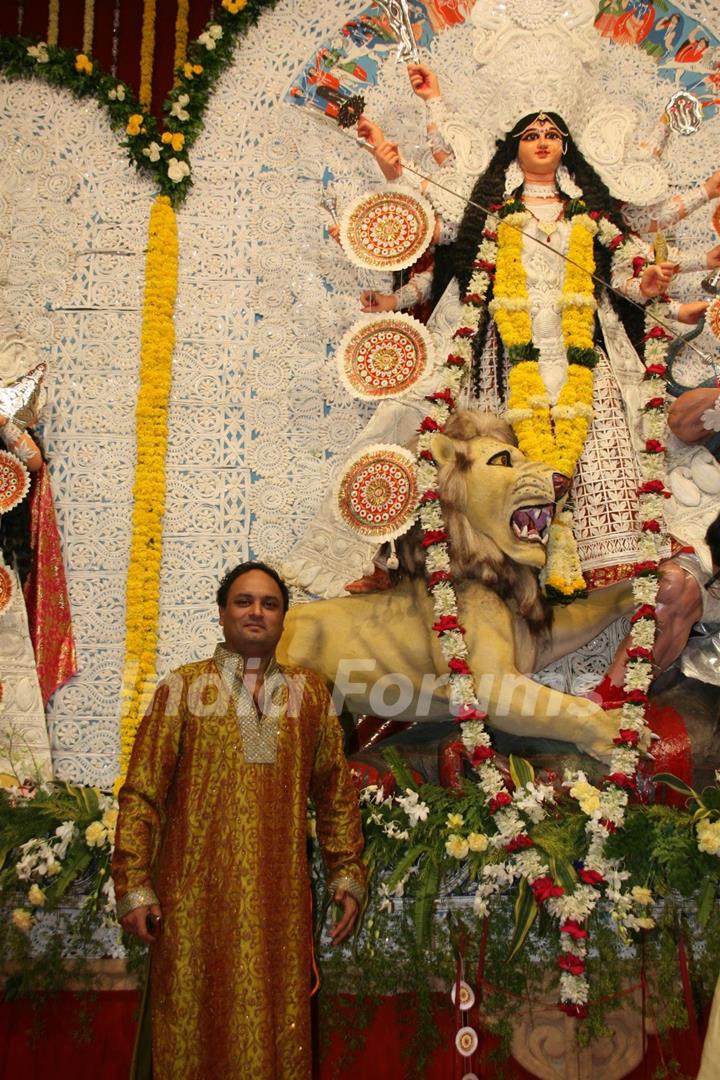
21,444
663,214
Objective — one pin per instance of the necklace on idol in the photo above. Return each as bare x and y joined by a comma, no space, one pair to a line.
547,227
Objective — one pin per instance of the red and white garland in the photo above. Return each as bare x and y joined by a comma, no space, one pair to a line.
514,812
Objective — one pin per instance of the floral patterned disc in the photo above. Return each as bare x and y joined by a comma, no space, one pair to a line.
466,1041
384,356
387,230
14,481
716,219
6,586
713,316
378,495
467,996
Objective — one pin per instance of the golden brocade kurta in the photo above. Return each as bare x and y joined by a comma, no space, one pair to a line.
213,820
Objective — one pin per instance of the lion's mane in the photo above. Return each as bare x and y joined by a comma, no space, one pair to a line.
473,555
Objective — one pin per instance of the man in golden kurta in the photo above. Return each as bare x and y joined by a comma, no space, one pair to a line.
210,862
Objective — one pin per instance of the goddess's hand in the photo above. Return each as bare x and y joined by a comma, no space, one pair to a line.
656,278
424,81
374,301
712,185
712,258
692,313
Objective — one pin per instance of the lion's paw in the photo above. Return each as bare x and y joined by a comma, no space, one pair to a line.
601,730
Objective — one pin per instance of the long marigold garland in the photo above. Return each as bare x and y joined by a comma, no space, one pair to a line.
143,583
147,53
88,27
53,29
182,31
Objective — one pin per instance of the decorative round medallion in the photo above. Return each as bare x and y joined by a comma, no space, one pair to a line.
467,996
712,316
6,586
466,1041
378,495
384,356
716,219
14,481
387,230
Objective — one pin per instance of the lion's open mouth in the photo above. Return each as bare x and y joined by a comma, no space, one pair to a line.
533,523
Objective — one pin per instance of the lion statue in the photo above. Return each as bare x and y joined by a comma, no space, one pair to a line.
378,650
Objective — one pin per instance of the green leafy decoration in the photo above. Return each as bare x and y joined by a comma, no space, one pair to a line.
120,102
526,911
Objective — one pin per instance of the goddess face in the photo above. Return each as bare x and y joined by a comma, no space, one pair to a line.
540,149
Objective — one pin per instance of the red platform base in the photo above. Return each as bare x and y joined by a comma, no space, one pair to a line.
90,1036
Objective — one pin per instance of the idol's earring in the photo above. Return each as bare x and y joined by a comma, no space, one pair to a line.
514,178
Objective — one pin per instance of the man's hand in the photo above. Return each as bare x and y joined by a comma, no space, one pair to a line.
376,301
656,278
135,922
712,185
423,81
343,927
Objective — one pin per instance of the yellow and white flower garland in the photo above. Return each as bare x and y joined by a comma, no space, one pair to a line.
143,583
554,435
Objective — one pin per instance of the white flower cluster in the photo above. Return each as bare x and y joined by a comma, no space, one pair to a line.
39,52
708,834
413,806
210,37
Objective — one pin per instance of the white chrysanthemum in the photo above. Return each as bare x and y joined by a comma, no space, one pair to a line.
573,988
624,760
643,633
437,558
529,864
708,834
645,590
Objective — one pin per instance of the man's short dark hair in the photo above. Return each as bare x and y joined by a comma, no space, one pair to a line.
245,568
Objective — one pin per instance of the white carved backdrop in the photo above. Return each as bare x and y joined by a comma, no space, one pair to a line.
258,420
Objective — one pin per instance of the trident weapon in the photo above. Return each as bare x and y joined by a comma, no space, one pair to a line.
399,18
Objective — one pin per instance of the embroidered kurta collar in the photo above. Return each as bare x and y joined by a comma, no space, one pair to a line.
258,731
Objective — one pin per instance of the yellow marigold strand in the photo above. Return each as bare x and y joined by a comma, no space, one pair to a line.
514,326
53,29
88,27
182,30
578,320
143,582
147,52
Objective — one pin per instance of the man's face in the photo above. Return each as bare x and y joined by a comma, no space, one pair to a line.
252,619
540,149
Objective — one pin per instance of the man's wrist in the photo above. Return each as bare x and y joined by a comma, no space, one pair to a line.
350,885
135,898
